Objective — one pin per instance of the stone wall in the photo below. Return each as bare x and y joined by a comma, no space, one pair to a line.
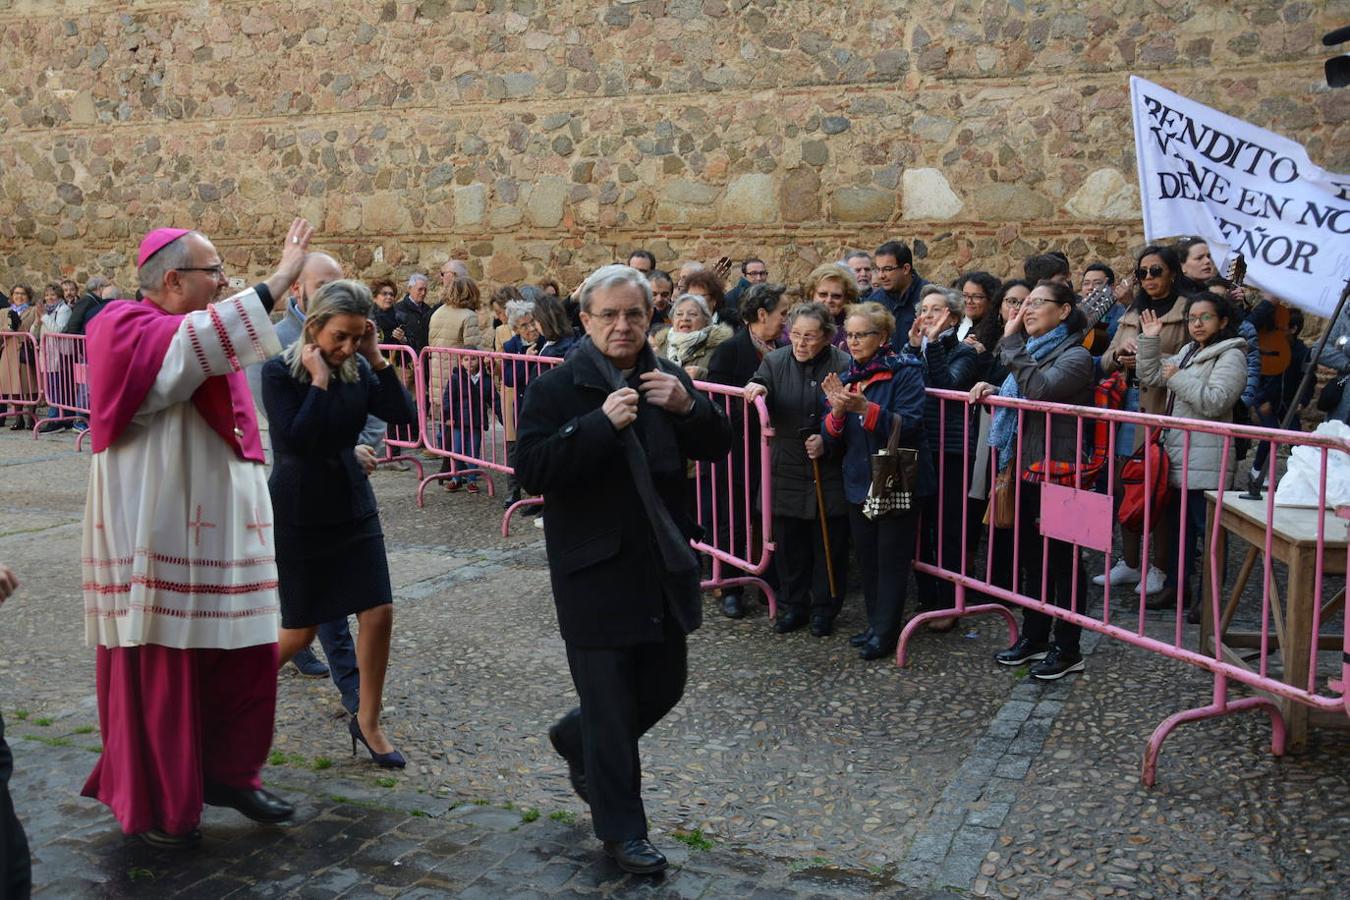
546,136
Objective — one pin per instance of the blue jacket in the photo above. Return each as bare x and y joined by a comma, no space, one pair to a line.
902,394
901,305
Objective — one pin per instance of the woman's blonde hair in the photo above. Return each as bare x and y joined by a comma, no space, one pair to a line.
874,312
463,293
346,297
831,270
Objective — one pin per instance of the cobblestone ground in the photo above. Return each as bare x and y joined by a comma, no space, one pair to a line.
791,768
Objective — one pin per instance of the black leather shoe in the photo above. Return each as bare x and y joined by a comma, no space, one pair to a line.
862,637
876,648
733,605
789,621
165,841
576,768
822,625
1022,651
637,856
260,806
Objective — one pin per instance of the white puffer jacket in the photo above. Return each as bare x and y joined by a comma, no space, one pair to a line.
1206,389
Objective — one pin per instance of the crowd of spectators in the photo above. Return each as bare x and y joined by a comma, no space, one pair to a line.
842,358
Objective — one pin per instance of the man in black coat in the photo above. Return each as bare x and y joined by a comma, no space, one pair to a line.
16,871
605,437
897,286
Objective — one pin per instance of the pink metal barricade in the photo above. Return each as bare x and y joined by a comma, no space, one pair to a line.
404,437
469,406
1283,664
64,372
20,384
735,495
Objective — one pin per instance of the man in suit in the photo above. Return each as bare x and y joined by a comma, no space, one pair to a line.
16,872
606,437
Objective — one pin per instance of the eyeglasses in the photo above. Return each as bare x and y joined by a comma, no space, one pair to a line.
859,335
763,274
1035,302
974,297
886,270
611,316
216,272
1012,302
1201,319
1151,272
386,293
799,338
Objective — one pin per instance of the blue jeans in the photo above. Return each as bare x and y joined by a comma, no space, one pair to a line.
337,643
458,438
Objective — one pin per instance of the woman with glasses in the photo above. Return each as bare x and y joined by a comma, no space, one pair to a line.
385,294
1158,274
979,293
692,336
832,286
789,380
879,389
18,359
1205,378
1042,348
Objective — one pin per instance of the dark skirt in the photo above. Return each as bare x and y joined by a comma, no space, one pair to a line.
328,572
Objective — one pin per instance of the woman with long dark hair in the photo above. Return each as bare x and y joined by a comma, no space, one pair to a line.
1157,274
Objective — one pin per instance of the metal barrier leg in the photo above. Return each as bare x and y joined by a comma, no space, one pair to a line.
760,583
902,646
1220,707
511,510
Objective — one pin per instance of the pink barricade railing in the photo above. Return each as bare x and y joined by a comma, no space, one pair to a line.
20,386
404,437
735,499
1280,659
469,405
64,371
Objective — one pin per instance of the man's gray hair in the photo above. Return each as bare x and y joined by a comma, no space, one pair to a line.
346,297
691,298
416,278
96,284
813,310
174,255
956,303
612,276
855,254
517,310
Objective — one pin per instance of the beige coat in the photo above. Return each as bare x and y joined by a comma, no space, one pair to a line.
450,327
1152,398
1207,389
17,378
699,357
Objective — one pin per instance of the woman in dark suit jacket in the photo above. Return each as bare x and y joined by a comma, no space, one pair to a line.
735,362
330,549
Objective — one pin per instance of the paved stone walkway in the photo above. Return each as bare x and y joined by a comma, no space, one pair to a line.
791,768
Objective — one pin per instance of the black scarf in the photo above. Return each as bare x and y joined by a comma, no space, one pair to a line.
661,444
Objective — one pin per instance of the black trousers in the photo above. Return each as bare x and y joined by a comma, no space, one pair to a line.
802,573
939,593
624,691
885,551
1059,582
15,867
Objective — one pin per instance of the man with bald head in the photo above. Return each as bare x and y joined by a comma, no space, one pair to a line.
180,578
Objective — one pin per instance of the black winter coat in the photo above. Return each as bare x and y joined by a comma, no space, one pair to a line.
610,585
951,365
796,402
416,320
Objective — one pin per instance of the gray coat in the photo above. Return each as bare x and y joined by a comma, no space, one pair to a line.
1206,389
1063,376
796,401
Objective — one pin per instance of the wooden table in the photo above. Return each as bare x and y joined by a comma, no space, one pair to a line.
1294,543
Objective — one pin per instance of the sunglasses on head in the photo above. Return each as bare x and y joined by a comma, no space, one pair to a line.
1151,272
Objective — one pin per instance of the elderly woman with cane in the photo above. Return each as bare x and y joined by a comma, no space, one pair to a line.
810,524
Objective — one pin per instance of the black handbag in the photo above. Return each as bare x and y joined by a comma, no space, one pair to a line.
895,472
1331,395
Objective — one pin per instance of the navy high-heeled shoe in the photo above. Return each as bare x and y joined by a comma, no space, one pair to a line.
391,760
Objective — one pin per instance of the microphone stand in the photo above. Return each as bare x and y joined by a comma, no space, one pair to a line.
1255,480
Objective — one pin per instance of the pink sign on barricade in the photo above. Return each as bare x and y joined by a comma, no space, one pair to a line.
64,372
470,403
1284,654
403,437
20,386
735,507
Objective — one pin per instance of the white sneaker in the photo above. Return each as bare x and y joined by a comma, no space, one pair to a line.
1121,573
1154,582
538,521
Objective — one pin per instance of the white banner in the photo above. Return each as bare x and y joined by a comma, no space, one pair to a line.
1245,190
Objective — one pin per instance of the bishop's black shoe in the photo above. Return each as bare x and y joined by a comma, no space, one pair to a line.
260,806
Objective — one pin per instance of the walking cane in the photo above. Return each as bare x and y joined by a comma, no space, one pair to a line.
805,433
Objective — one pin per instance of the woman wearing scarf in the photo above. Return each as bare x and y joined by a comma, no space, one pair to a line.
692,336
879,387
1043,349
18,362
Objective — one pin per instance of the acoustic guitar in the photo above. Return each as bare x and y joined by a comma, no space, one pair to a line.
1276,354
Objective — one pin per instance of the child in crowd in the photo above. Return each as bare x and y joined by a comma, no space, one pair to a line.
470,399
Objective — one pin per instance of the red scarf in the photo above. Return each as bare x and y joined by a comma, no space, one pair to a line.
126,347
